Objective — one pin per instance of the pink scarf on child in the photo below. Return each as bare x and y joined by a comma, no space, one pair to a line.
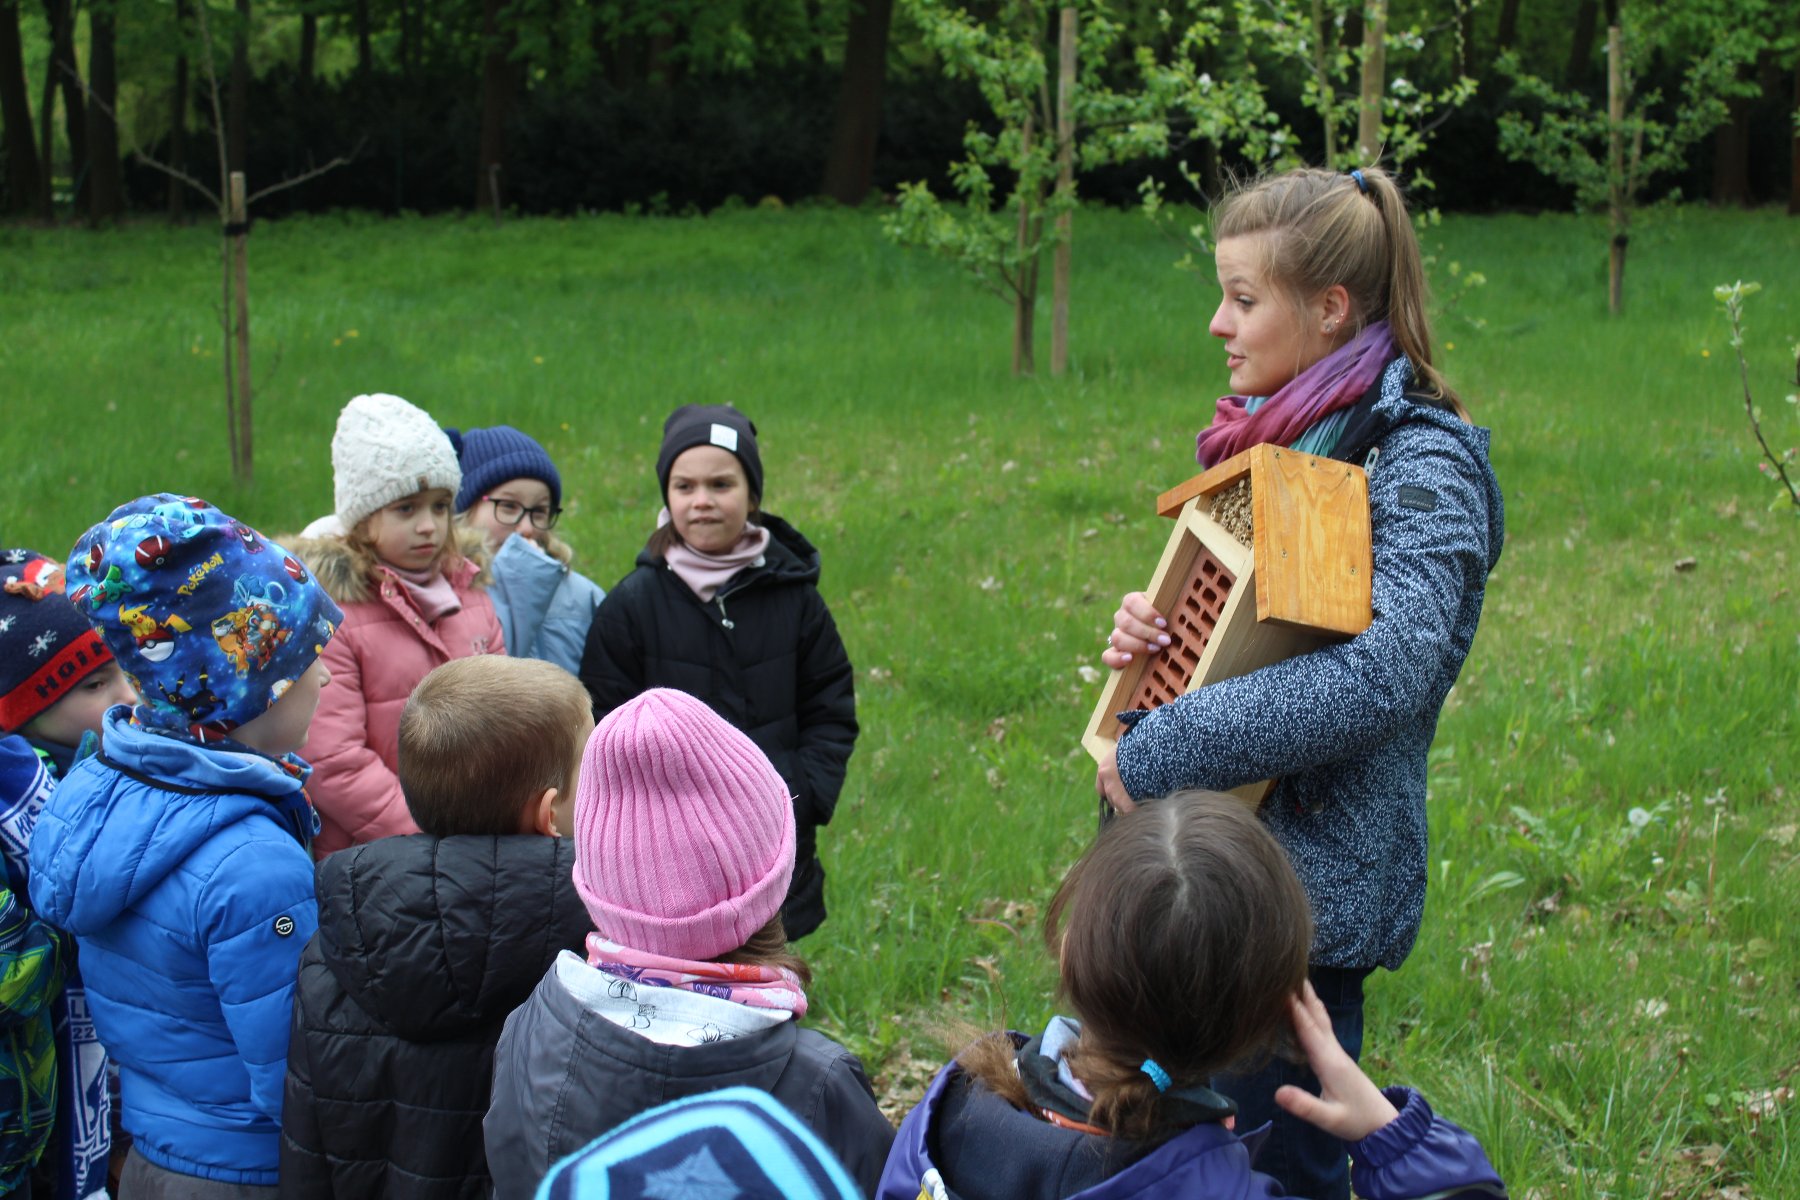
705,574
758,987
1334,382
430,590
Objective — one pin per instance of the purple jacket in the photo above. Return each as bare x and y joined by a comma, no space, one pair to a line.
965,1143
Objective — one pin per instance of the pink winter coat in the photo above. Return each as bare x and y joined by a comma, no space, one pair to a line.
381,652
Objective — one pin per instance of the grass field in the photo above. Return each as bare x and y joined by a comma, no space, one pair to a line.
1607,988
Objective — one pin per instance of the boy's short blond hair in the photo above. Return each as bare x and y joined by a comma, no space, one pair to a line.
482,737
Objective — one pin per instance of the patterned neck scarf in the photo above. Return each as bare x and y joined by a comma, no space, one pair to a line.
744,983
1330,385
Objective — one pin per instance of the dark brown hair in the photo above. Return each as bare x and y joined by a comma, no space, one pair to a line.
768,947
1324,228
482,737
1181,933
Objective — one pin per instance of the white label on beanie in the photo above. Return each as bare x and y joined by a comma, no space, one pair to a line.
725,437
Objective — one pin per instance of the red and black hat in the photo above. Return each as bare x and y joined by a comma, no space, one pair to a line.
46,645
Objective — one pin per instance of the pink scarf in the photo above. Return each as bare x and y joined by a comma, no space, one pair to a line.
431,592
758,987
1333,383
705,574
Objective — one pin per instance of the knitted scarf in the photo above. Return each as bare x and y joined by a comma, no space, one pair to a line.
743,983
705,574
431,591
1332,384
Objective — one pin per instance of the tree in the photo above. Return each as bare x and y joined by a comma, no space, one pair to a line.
499,82
1609,157
850,164
23,186
106,183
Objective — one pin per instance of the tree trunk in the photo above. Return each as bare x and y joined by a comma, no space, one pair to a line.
1509,25
46,201
237,92
237,391
309,48
178,113
23,184
1794,153
850,167
1374,83
1066,46
106,185
365,54
1024,353
1322,77
497,84
61,16
1731,156
1581,44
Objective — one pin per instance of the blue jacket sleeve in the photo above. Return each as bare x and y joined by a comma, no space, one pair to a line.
1419,1154
32,962
1314,708
257,913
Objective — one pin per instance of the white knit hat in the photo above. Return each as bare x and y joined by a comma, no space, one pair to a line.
386,449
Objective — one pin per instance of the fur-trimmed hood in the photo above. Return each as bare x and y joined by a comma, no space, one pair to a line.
347,571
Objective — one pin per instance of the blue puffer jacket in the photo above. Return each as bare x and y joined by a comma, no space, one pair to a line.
545,607
963,1142
1345,729
181,873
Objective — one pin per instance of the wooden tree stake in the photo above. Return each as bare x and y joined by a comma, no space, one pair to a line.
237,238
1615,120
1065,188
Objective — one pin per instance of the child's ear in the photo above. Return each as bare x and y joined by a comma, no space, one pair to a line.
540,815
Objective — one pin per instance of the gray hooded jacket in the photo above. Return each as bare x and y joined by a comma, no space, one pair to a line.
1345,729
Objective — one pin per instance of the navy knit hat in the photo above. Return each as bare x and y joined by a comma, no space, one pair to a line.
210,620
709,425
738,1142
46,646
492,456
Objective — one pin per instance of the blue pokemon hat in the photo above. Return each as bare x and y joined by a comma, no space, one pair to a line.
209,619
738,1142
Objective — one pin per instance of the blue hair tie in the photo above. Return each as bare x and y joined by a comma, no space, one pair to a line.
1157,1075
1362,185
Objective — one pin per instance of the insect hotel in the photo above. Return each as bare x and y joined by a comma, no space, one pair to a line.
1270,558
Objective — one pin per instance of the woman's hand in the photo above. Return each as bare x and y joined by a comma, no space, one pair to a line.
1349,1107
1106,782
1137,629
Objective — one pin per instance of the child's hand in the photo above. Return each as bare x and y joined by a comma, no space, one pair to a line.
1350,1107
1107,782
1137,629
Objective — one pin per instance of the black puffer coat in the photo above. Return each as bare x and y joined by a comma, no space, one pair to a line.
765,655
424,946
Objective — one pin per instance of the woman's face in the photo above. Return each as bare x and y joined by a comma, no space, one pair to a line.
1267,341
409,532
709,498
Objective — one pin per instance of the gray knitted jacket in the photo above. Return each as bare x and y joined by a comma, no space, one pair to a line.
1345,729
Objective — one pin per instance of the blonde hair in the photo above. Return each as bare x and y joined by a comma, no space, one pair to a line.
1323,228
482,737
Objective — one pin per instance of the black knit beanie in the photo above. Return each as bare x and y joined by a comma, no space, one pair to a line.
709,425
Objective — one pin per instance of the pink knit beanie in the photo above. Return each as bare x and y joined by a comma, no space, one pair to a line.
684,831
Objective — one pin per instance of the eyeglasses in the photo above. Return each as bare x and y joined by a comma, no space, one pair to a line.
511,512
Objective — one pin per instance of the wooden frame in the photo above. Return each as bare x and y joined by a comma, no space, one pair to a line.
1303,583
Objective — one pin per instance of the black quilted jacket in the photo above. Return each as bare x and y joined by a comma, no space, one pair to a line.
765,655
424,946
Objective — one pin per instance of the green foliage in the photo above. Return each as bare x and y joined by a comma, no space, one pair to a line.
1565,134
1773,465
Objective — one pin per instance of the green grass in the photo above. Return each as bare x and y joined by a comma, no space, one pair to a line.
1609,999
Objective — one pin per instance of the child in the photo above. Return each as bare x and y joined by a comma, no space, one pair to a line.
1324,325
177,856
684,845
1181,937
427,942
509,485
57,679
412,593
725,605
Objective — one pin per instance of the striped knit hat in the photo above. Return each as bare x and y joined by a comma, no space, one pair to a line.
684,831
